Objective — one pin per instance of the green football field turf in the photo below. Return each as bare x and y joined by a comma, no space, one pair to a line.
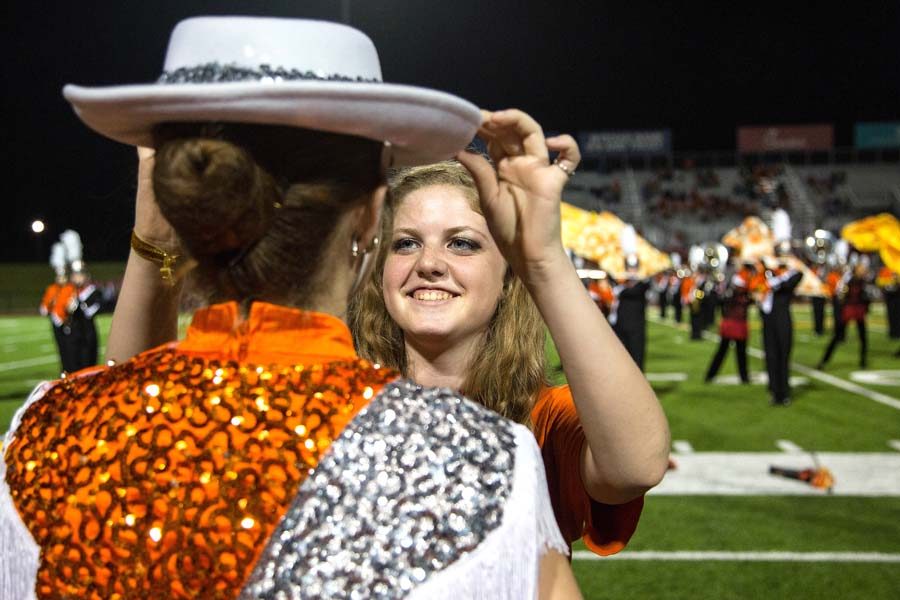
711,417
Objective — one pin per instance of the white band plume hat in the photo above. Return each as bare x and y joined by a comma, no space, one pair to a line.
628,242
294,72
695,256
842,251
781,231
58,258
71,241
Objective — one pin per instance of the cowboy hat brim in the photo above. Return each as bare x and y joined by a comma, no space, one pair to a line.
422,125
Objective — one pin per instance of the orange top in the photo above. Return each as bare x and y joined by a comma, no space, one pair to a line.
687,289
887,278
605,528
746,275
602,293
64,296
165,476
759,284
49,296
833,281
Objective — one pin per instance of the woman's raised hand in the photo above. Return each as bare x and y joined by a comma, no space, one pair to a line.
521,198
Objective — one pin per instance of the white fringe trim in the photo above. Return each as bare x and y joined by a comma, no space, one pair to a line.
36,394
19,554
506,564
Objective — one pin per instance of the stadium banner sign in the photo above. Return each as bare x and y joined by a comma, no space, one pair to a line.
602,144
785,138
876,135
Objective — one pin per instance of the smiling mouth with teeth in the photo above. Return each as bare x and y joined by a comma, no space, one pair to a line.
432,295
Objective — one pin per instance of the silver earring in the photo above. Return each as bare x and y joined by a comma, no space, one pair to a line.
387,156
361,273
354,247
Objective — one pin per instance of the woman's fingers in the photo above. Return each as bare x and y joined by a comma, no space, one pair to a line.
516,131
144,152
498,150
482,172
569,154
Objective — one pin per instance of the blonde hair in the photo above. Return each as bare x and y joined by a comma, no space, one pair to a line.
507,371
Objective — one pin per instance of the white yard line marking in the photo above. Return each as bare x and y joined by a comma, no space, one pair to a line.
788,446
28,362
846,385
747,474
889,377
757,378
682,446
823,377
861,557
658,377
895,444
40,360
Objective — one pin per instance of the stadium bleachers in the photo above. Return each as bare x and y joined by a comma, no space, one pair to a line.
705,202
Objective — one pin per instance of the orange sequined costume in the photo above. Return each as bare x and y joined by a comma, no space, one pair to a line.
165,475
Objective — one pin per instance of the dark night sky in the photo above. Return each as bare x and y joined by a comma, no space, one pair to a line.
699,68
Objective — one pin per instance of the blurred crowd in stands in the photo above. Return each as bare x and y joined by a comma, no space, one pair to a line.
696,192
831,200
603,194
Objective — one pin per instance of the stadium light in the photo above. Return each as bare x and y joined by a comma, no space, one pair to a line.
37,226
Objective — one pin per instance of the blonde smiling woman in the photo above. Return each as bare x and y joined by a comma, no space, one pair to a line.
471,269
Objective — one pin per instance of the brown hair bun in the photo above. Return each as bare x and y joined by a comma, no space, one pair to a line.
214,194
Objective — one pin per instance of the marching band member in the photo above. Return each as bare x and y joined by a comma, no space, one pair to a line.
628,314
692,291
733,327
818,302
661,287
778,328
676,281
83,305
889,283
57,296
775,308
854,304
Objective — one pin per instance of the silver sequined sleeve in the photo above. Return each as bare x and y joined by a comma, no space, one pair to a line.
415,482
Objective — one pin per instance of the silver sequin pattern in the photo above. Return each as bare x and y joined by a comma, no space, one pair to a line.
414,482
218,73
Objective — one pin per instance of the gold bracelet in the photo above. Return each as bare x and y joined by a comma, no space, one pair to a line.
157,255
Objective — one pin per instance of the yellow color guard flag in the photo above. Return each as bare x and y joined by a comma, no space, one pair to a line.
596,236
878,233
753,240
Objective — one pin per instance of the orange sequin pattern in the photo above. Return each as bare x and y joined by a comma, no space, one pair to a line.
165,476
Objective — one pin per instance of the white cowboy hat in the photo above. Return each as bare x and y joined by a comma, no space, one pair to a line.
296,72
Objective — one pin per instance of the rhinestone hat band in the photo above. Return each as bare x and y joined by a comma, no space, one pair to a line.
218,73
